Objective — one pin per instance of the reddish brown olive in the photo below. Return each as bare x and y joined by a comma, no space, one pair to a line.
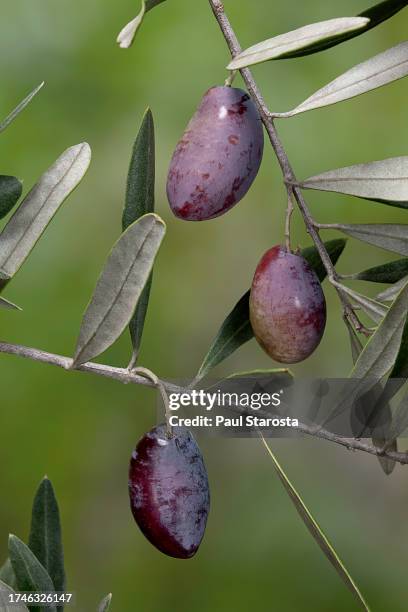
218,157
287,306
169,491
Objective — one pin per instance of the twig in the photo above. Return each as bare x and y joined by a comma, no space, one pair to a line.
287,170
123,375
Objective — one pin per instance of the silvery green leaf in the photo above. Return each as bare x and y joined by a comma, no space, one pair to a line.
391,293
381,351
376,14
378,71
388,236
385,180
37,209
5,606
8,305
389,273
127,34
140,201
119,287
316,531
355,342
7,574
372,308
275,48
10,192
105,603
45,534
14,113
30,573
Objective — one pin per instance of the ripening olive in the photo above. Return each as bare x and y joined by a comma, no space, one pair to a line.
287,306
218,157
169,491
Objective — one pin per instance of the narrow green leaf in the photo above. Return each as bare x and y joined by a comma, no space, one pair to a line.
296,40
105,603
391,293
7,574
260,373
375,310
119,287
316,531
389,273
355,342
14,113
8,305
388,236
334,248
389,66
37,209
127,34
385,180
236,330
31,575
10,192
141,175
45,535
376,14
140,201
5,606
381,351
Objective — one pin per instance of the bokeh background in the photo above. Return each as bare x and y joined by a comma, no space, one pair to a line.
80,429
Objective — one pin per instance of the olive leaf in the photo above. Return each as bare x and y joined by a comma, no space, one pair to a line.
315,530
375,310
376,15
119,287
127,34
384,181
7,574
38,207
334,248
139,201
388,236
20,107
105,603
381,351
45,539
8,305
30,573
355,342
391,293
5,606
236,329
10,192
378,71
285,372
388,273
296,40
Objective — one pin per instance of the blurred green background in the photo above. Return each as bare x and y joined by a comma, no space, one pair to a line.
79,429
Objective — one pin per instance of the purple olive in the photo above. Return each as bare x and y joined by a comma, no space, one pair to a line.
287,306
169,491
218,157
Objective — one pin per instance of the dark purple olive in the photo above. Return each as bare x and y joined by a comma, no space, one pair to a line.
169,491
287,306
218,157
